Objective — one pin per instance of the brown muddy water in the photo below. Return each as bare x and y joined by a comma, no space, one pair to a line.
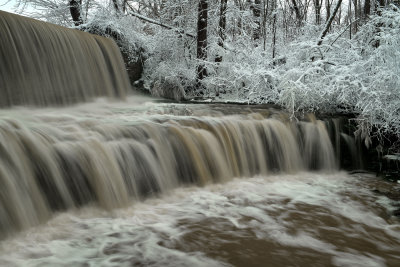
142,183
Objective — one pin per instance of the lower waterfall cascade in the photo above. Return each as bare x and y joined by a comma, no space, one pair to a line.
147,183
54,162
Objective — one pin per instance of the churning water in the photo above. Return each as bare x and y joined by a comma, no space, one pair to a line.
150,184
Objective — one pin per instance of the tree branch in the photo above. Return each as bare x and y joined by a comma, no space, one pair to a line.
133,13
328,24
334,41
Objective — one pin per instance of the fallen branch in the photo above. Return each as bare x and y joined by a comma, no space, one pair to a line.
328,24
133,13
334,41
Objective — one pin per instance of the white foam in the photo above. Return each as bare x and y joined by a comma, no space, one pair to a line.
356,260
284,209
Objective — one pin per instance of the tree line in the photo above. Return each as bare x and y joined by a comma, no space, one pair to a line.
260,21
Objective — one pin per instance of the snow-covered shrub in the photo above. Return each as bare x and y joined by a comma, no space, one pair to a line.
359,76
170,58
121,28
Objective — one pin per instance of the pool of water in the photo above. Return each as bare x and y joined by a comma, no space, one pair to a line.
304,219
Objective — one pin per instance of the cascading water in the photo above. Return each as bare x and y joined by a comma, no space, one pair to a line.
45,64
141,183
52,163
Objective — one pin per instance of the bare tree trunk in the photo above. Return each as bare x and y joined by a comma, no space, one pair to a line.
115,5
264,22
274,31
256,7
305,9
349,16
285,24
87,9
381,4
202,40
355,3
328,5
317,9
124,6
329,22
239,4
297,12
222,27
367,8
339,16
75,10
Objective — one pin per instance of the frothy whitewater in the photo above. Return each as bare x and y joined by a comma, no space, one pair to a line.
151,184
281,220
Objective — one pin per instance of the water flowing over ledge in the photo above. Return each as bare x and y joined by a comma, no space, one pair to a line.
45,64
145,183
114,155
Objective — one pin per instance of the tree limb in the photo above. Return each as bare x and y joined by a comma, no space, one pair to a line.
329,22
334,41
133,13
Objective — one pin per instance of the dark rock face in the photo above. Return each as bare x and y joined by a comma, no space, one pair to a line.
397,213
133,67
381,159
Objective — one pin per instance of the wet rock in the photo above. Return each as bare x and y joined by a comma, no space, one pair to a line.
396,213
170,88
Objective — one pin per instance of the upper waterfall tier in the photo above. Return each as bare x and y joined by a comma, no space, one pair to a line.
44,64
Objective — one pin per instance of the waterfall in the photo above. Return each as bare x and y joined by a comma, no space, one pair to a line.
45,64
50,163
58,160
